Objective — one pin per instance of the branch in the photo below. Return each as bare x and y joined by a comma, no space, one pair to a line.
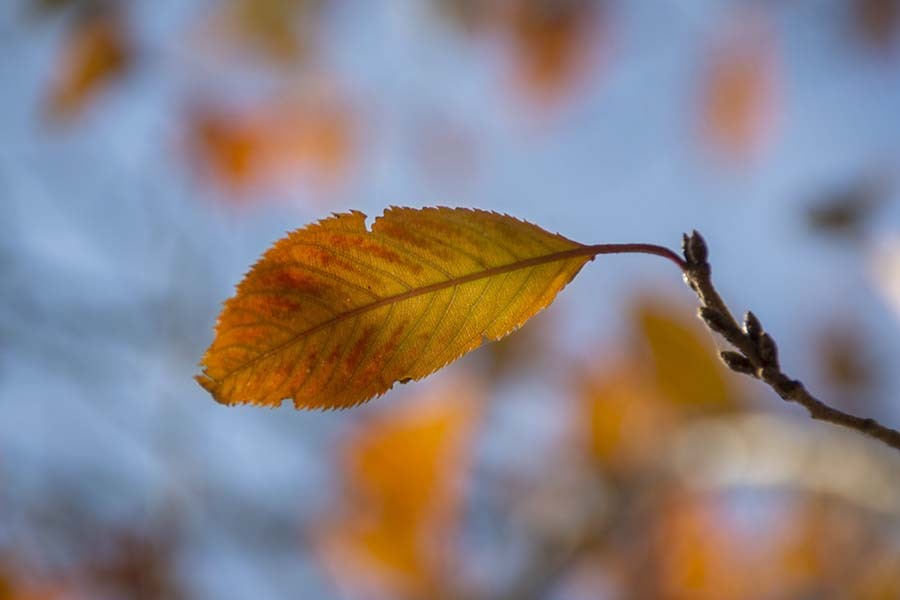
756,352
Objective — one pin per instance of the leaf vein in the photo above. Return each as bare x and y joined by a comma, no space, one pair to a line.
577,252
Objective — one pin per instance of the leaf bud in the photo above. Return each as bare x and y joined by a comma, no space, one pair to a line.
695,250
737,362
768,351
752,326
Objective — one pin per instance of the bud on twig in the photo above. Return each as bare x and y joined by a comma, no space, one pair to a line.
758,354
737,362
714,319
768,351
752,326
695,250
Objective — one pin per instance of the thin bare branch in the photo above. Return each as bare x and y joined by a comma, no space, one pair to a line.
756,352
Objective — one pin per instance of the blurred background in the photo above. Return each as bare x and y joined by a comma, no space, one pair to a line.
151,151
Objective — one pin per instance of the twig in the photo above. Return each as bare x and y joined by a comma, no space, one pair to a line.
756,352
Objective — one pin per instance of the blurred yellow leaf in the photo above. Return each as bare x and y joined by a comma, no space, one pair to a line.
282,31
632,404
402,472
96,52
683,362
334,314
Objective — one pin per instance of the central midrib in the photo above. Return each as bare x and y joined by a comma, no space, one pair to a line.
427,289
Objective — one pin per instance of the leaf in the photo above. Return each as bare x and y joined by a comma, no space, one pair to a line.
229,147
739,88
700,555
334,314
284,32
285,139
683,364
97,52
626,422
402,495
551,42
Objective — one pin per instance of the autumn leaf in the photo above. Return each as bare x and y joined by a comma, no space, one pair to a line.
625,420
97,52
284,32
699,556
229,147
739,88
681,361
550,41
284,139
401,474
334,314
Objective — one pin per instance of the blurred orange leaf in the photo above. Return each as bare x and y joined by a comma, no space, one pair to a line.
627,421
96,52
880,580
700,557
334,314
12,589
810,548
273,141
738,90
229,146
402,474
550,41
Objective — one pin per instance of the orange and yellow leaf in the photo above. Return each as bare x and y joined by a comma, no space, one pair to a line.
335,314
402,473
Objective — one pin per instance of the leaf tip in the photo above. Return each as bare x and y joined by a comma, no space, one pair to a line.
210,385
